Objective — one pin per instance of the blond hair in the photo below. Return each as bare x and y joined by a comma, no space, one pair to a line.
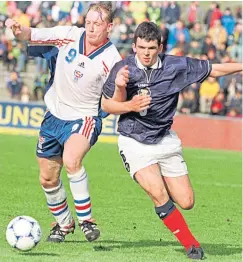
103,7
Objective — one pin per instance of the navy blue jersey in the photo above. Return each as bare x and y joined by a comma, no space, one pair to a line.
163,85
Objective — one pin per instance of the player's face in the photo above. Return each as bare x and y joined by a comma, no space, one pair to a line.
147,52
97,27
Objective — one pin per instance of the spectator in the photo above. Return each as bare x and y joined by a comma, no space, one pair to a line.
175,32
239,13
207,45
233,113
48,21
231,84
153,12
3,49
139,10
236,49
236,103
23,5
189,104
163,12
21,57
208,90
195,49
216,14
194,14
217,33
173,14
182,44
208,15
218,104
228,21
212,56
64,9
14,85
25,94
38,89
116,31
11,62
197,33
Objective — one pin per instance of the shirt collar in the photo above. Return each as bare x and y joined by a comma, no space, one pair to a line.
156,65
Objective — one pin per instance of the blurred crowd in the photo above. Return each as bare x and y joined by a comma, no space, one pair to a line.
197,29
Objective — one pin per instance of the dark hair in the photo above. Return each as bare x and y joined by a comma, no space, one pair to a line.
148,31
106,8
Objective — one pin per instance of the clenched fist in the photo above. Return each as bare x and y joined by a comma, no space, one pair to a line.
122,77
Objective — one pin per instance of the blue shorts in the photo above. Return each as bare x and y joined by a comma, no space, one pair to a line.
55,132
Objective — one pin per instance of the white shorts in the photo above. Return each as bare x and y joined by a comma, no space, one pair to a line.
167,154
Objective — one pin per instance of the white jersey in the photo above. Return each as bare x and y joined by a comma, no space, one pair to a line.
79,77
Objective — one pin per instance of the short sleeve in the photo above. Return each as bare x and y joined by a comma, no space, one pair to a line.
197,70
109,86
185,71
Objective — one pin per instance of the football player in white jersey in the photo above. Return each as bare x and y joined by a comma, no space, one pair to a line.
83,58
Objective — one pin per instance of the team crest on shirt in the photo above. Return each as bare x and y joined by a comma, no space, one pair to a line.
77,75
144,91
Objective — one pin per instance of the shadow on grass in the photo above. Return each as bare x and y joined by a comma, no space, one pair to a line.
36,254
209,248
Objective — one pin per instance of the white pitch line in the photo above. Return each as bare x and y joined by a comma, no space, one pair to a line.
218,184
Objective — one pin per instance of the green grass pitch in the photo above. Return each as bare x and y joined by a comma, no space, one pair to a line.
130,229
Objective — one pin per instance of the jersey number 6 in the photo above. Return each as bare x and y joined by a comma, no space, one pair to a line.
71,55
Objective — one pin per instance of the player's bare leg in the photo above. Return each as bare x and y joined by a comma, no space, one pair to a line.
180,190
56,198
150,180
75,149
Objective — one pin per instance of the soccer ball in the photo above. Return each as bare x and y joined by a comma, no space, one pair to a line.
23,233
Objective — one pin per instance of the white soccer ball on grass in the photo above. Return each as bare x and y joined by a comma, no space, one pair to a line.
23,233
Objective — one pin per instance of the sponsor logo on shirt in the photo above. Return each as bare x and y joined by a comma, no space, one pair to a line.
77,75
81,64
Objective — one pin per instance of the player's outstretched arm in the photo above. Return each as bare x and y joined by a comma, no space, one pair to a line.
137,104
225,69
22,33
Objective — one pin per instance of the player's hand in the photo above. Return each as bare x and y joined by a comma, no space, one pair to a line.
139,103
14,25
122,77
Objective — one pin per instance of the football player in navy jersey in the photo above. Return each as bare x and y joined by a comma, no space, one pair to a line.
80,60
150,150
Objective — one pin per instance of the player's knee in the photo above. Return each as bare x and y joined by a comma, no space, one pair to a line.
48,182
187,203
72,166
